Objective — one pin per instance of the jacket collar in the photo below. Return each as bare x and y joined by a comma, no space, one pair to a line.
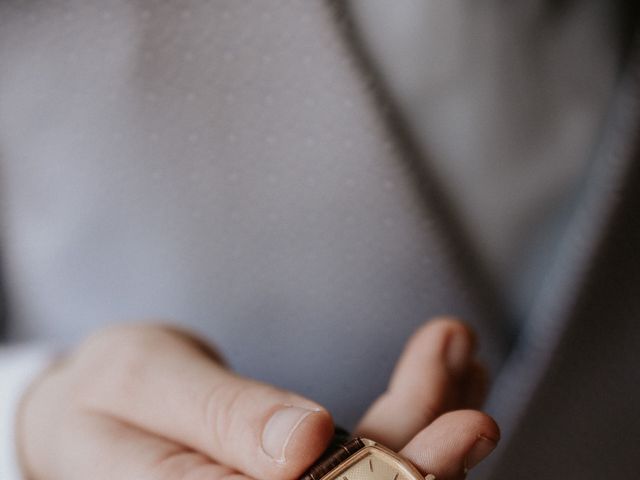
598,201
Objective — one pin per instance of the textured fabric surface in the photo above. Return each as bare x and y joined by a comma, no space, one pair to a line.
218,164
507,103
228,166
582,418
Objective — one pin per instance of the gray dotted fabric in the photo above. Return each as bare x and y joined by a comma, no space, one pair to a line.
221,165
507,101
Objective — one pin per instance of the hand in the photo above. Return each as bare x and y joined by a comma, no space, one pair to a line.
427,413
148,402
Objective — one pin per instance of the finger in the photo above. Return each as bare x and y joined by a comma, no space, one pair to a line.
159,382
429,379
110,449
453,443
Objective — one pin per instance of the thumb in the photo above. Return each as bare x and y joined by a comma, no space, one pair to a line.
159,382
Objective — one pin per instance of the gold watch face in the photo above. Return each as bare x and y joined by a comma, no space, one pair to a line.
374,462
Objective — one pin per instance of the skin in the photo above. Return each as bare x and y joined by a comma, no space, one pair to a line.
103,412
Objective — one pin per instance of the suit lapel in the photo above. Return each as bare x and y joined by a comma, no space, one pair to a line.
461,255
558,307
596,203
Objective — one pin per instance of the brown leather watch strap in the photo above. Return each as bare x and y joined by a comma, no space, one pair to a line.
342,446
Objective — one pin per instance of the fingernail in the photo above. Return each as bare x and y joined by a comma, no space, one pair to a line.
280,428
480,450
458,353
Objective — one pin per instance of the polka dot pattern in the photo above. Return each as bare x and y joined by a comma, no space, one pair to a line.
220,164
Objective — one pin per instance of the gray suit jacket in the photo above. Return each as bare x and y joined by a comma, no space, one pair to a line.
311,211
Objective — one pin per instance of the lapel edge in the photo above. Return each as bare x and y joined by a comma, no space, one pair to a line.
556,308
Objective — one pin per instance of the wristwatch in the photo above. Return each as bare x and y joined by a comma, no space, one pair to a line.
356,458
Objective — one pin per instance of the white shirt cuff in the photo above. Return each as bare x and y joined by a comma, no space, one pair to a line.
19,366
